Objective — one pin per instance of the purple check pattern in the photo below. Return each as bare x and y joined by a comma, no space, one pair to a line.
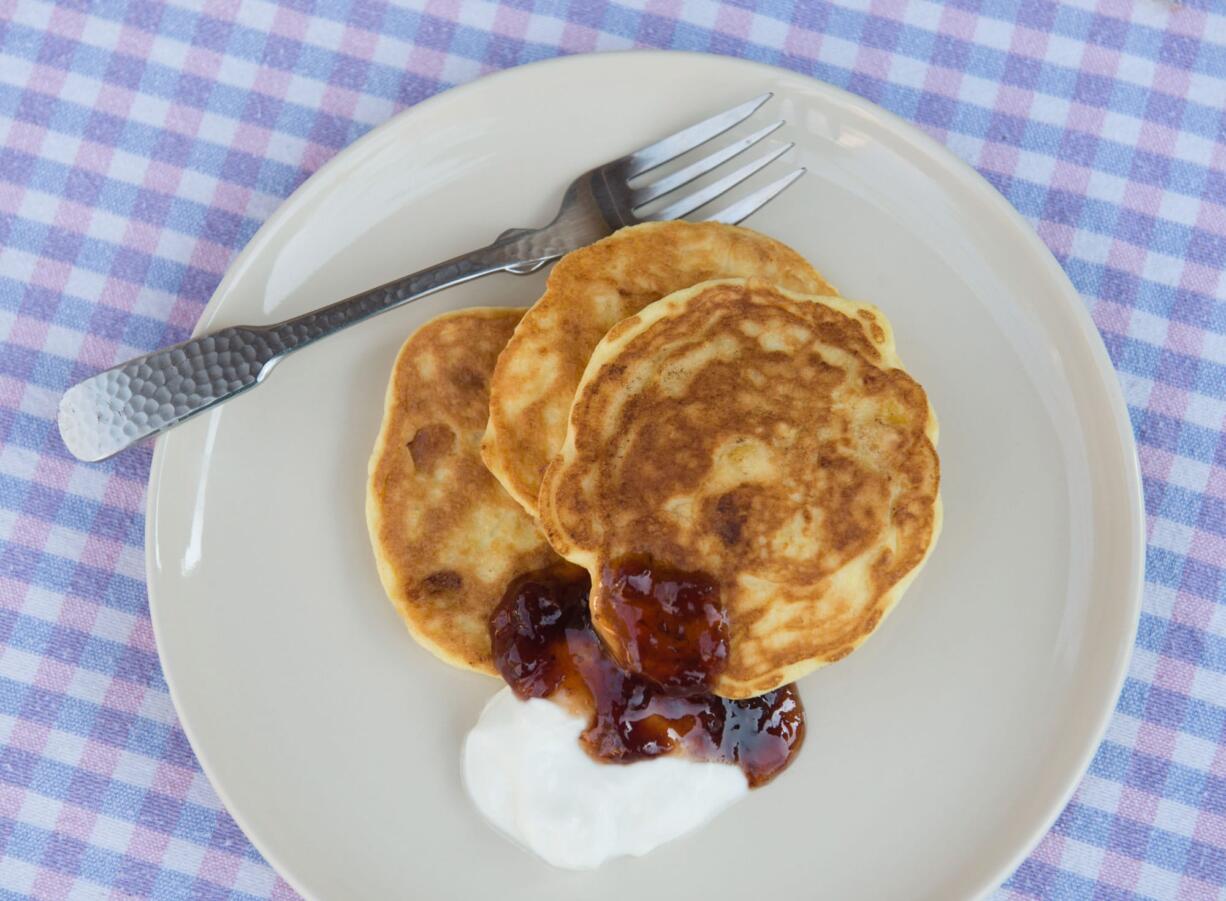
141,145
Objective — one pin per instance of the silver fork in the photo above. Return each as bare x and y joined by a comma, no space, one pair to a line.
113,410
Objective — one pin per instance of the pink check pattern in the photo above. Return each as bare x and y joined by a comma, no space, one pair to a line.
142,143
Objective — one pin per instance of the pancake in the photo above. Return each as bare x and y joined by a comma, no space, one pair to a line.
770,441
446,537
590,291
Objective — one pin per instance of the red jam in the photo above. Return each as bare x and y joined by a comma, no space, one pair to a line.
670,625
544,645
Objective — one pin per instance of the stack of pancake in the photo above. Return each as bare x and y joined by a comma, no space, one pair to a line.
693,392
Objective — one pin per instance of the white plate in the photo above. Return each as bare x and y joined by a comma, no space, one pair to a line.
936,755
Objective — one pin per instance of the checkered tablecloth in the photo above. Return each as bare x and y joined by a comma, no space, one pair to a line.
141,145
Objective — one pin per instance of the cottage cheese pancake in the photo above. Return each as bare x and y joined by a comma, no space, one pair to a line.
765,451
590,291
446,537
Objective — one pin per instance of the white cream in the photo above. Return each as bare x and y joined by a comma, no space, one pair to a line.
526,772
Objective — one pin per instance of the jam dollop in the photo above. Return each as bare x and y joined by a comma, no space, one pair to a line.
669,625
544,646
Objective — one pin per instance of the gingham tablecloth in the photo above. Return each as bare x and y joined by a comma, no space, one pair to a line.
142,144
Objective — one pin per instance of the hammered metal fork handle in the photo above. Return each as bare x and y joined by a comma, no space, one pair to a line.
113,410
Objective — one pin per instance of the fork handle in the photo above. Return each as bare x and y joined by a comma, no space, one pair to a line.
113,410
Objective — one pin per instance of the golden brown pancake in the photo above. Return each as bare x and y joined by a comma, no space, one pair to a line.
590,291
446,537
769,440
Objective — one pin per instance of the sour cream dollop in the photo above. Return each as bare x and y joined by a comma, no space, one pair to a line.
528,775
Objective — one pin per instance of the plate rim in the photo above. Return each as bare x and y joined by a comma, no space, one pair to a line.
920,141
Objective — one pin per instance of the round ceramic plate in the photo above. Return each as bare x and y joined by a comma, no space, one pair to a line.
936,755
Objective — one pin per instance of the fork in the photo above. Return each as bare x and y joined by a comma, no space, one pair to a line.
148,395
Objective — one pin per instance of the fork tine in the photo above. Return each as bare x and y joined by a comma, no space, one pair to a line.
687,139
670,183
747,206
688,204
